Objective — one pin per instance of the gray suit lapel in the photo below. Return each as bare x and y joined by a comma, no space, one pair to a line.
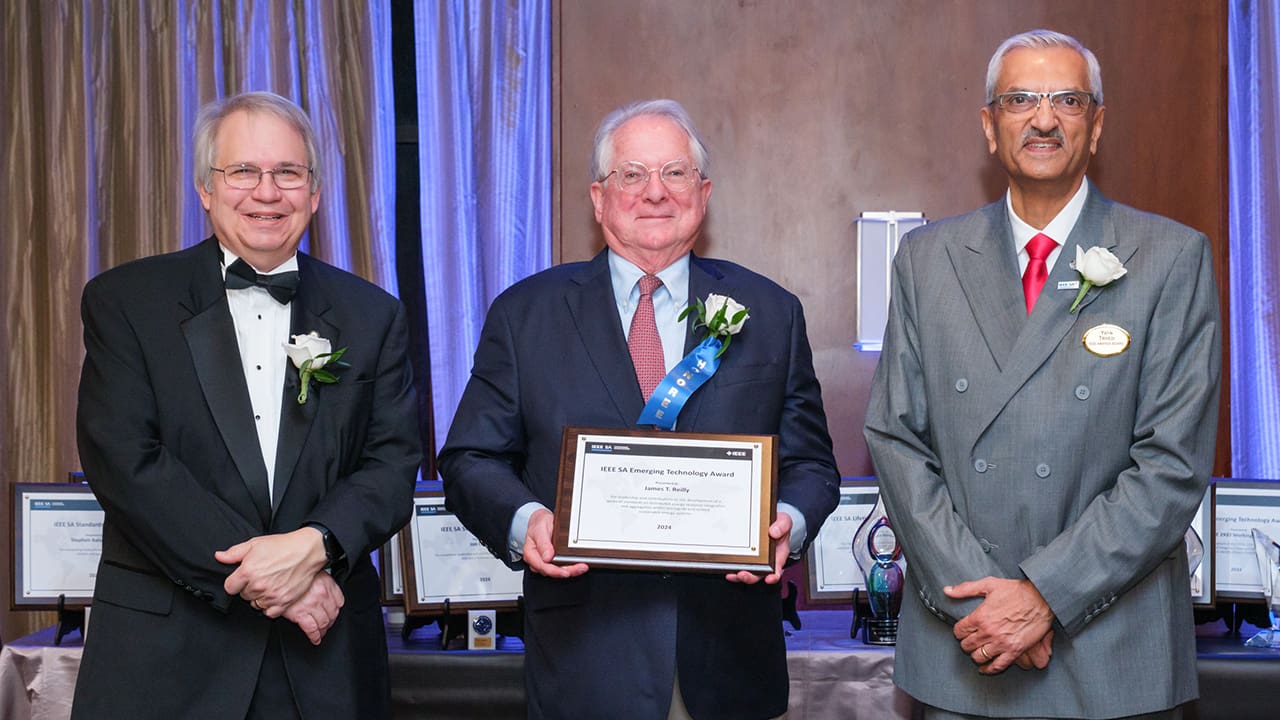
594,311
1045,328
211,337
987,269
308,309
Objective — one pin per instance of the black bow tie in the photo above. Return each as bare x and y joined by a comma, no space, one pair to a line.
282,286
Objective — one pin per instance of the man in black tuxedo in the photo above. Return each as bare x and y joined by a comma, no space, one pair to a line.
235,578
555,352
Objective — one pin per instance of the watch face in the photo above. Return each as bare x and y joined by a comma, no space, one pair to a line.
482,625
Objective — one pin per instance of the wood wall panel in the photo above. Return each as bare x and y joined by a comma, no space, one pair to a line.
816,110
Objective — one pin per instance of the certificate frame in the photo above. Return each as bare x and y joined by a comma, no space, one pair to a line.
1204,525
30,593
468,573
391,571
646,461
827,584
1237,504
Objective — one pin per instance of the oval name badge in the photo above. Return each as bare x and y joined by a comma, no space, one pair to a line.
1106,340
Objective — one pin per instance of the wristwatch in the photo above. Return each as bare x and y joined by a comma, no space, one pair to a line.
333,554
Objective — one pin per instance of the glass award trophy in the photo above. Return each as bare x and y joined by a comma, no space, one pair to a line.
877,550
1268,553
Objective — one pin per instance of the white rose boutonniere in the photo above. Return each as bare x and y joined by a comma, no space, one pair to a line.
1097,266
721,315
311,354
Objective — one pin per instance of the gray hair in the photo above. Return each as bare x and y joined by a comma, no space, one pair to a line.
211,116
602,152
1037,40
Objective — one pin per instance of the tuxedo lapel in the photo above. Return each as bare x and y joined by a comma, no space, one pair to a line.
211,337
594,311
308,310
987,269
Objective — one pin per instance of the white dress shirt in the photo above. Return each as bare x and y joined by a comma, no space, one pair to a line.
262,329
1059,228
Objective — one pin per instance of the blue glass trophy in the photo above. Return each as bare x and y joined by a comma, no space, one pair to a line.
876,548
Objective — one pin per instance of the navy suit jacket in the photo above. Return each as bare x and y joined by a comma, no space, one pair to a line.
168,445
607,644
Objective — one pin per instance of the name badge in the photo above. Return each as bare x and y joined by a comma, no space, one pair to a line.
1068,284
1106,340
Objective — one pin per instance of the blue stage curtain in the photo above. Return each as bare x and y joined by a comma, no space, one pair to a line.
484,138
1254,116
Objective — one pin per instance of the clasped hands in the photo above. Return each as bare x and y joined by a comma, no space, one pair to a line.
1012,625
283,576
539,551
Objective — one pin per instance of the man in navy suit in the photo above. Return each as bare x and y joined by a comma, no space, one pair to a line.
554,353
241,500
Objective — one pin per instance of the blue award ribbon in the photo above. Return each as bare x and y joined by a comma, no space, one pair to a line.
680,384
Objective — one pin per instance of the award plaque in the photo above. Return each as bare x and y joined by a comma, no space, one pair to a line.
666,501
1239,508
445,566
57,540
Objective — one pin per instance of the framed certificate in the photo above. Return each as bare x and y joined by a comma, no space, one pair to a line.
833,573
390,571
1199,539
57,540
666,501
445,562
1241,506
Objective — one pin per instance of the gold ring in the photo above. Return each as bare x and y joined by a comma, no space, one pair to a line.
254,604
983,650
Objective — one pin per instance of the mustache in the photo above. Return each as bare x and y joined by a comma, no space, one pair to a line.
1034,134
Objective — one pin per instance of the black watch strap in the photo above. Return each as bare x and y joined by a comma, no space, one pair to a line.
333,554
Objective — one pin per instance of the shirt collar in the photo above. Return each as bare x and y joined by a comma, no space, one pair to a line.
624,275
1059,228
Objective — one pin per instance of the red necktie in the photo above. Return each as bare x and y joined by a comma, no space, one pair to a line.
643,340
1038,248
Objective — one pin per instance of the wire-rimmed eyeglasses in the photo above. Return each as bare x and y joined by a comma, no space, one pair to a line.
1064,102
676,175
243,176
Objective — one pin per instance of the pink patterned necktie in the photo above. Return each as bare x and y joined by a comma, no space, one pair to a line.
643,340
1038,249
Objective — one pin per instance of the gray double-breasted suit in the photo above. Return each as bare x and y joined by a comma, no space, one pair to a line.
1006,448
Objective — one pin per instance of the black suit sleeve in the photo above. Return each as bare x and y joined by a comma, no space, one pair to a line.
366,506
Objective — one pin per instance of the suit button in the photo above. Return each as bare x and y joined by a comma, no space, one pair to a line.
986,546
1042,470
980,465
1082,392
962,384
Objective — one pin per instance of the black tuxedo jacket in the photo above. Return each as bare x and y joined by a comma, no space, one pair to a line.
607,644
168,445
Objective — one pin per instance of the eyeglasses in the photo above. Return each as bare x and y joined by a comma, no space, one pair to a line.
1064,102
677,176
246,177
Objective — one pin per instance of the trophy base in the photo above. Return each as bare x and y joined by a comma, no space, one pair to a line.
879,631
1265,639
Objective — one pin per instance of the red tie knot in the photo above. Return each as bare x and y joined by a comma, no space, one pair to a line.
649,283
1040,246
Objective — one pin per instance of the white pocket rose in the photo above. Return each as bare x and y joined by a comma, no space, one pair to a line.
1098,265
309,347
734,315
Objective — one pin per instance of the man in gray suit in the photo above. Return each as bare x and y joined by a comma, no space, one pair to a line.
1043,436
